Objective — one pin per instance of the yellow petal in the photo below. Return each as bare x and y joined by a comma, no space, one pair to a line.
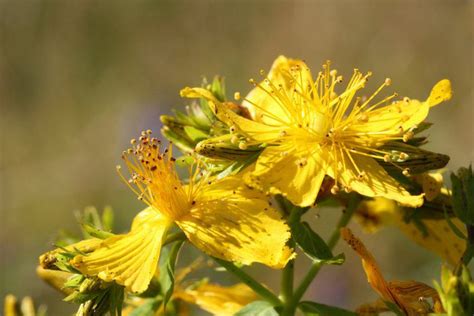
410,293
372,270
403,114
374,182
219,300
257,131
263,106
55,278
400,114
295,174
129,259
441,92
439,239
232,222
405,294
196,93
431,184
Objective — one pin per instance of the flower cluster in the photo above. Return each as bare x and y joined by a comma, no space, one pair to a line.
255,166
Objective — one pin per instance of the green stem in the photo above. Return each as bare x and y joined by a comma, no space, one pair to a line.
352,204
251,282
174,237
287,277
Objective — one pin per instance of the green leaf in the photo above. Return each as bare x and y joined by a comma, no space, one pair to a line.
463,195
74,281
95,232
258,308
195,134
317,309
453,227
313,245
167,269
148,308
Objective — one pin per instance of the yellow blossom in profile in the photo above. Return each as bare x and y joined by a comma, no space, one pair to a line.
222,217
311,131
408,296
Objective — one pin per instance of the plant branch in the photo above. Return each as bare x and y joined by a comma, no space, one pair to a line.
251,282
352,204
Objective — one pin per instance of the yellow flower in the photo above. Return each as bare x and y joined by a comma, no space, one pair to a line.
222,217
438,237
409,296
218,300
213,298
311,131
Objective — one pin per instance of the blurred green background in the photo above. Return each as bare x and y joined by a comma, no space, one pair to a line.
78,79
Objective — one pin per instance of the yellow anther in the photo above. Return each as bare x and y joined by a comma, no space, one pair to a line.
235,139
388,81
403,156
363,118
243,145
407,136
406,172
335,189
387,158
236,96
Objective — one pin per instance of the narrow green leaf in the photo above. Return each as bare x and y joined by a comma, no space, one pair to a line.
313,245
258,308
167,269
317,309
95,232
453,227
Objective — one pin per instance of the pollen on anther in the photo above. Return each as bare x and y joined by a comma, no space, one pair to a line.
236,96
406,172
234,139
243,145
388,81
335,189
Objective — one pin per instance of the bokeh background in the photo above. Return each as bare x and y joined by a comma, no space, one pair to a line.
78,79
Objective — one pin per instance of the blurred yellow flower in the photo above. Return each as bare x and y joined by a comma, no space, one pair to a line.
311,131
408,296
437,236
218,300
222,217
